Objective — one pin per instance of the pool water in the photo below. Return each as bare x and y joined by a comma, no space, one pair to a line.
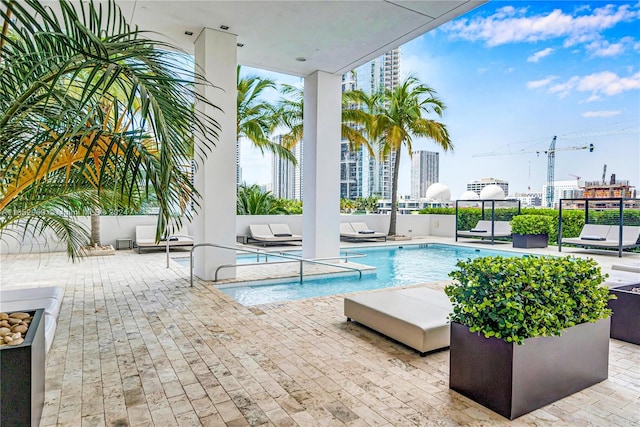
395,266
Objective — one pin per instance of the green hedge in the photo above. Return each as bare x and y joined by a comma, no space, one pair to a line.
517,298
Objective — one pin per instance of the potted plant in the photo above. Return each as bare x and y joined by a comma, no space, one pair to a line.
531,231
527,331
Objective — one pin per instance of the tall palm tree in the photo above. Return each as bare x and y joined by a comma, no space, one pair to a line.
88,103
253,201
397,116
256,117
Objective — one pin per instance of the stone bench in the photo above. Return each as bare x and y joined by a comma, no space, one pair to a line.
26,299
416,317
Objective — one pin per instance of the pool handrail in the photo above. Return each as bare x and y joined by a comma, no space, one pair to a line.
236,248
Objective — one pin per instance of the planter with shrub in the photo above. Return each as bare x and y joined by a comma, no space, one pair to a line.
531,231
527,331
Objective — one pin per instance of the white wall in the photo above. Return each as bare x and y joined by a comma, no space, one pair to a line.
118,227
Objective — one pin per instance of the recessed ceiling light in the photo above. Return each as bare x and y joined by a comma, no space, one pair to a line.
240,44
301,59
189,33
224,27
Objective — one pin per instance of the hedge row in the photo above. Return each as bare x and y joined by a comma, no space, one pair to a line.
572,220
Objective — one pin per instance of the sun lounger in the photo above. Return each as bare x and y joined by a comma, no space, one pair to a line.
272,233
358,231
416,317
146,238
605,236
487,230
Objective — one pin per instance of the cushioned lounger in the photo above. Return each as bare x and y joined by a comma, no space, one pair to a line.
359,231
416,317
264,234
605,236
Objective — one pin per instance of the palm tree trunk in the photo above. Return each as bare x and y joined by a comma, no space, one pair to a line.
394,192
95,226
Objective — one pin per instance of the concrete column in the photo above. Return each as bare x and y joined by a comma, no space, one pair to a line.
215,178
321,175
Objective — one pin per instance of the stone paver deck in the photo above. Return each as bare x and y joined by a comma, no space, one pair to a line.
136,346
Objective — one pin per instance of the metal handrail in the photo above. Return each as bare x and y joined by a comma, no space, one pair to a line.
292,258
168,245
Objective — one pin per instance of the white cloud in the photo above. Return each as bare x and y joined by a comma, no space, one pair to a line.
600,84
540,54
541,83
511,25
603,48
589,114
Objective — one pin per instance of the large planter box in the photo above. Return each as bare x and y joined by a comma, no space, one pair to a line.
625,321
22,380
527,241
513,379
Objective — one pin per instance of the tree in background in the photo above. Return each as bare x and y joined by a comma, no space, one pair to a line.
395,117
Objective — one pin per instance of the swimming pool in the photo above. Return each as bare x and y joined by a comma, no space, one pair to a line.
395,266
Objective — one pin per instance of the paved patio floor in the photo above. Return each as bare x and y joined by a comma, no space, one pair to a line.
136,346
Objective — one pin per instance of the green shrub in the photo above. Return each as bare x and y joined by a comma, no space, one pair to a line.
531,224
517,298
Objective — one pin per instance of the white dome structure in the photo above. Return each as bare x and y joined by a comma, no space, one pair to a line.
439,192
492,192
469,195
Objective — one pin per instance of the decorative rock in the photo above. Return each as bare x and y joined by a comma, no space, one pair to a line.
4,324
20,328
4,332
4,316
13,321
17,341
19,315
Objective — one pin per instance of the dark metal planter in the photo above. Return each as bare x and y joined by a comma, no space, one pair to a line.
22,381
527,241
625,321
513,380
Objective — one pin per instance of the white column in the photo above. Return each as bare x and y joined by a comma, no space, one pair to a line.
321,195
215,178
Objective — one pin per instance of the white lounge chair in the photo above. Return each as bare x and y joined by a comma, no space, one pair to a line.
605,236
146,238
487,230
272,233
359,231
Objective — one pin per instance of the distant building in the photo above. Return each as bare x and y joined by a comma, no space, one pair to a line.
286,178
477,185
529,199
408,206
612,189
425,170
563,190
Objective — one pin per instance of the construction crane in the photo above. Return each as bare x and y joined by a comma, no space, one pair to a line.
551,163
575,176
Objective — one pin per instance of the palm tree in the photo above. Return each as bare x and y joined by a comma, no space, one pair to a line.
253,201
257,118
395,118
88,104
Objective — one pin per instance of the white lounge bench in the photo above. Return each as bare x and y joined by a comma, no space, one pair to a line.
26,299
146,238
605,236
487,230
272,233
359,231
416,317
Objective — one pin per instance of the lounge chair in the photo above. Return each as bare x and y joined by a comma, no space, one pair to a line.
605,236
358,231
272,233
487,230
416,317
146,238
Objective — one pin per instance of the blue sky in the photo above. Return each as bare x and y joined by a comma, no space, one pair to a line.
513,74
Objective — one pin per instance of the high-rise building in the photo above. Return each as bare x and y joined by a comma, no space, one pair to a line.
477,185
286,178
425,170
361,174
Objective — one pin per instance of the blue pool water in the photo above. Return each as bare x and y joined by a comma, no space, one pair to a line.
395,266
